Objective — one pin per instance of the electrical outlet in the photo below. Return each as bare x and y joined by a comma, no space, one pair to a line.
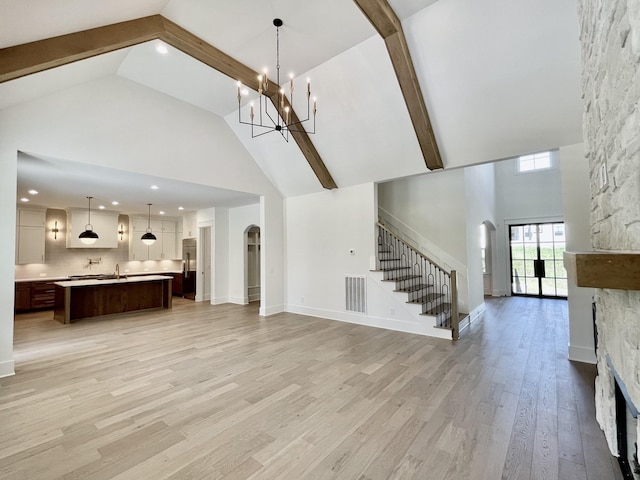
43,274
301,299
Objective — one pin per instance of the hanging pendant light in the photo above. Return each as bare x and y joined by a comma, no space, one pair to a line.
88,237
148,238
280,117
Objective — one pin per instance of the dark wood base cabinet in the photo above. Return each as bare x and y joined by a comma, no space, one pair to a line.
34,295
108,298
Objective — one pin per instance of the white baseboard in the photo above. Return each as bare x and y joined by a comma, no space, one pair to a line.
239,300
219,300
582,354
7,368
473,316
266,311
417,327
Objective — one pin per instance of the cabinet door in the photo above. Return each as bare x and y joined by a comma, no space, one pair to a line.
22,299
105,224
31,218
155,249
169,227
138,251
42,295
30,245
169,246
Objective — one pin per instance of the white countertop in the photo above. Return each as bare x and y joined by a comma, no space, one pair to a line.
66,277
86,283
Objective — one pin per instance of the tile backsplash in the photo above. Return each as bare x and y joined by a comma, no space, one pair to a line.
61,261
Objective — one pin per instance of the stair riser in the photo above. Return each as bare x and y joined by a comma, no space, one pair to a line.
393,274
413,296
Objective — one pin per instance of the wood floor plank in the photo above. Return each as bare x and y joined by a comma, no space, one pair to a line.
205,392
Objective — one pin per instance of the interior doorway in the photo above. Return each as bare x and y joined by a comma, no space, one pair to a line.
536,253
253,263
203,283
487,240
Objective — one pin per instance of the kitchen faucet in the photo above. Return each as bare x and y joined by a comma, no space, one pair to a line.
117,271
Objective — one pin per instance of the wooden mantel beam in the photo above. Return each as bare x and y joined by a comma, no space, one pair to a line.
388,25
28,58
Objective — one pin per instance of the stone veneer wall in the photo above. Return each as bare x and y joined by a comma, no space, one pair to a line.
610,38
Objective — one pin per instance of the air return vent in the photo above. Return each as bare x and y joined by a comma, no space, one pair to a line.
355,293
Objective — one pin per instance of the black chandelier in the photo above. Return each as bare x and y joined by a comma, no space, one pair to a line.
280,117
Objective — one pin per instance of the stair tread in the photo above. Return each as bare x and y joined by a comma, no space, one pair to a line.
401,279
412,288
427,298
395,268
440,309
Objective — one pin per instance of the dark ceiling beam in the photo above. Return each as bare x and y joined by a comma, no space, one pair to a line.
388,25
29,58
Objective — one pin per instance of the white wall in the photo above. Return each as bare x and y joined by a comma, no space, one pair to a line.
8,166
522,198
576,196
321,228
429,211
220,257
240,219
120,124
480,207
433,205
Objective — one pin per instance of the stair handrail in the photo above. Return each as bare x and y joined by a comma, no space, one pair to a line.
453,283
416,249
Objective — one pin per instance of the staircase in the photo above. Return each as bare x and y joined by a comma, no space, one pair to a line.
421,280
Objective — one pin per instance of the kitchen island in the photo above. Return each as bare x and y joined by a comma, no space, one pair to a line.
76,299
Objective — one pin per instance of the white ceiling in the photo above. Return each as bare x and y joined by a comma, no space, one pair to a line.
62,184
500,77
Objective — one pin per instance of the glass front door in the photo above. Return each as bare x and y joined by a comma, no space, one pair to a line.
537,268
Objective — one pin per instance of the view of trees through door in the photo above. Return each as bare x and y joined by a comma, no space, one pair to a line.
537,267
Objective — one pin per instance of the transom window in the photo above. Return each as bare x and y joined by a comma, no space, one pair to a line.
535,161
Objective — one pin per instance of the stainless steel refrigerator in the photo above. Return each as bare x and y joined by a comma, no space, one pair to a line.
189,266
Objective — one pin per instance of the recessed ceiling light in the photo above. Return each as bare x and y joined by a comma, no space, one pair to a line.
33,192
180,208
115,203
24,199
162,48
154,187
101,207
161,212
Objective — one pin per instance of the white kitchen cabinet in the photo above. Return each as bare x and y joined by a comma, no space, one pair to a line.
164,248
105,224
189,226
30,235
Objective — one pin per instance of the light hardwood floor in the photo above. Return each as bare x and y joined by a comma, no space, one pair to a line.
206,392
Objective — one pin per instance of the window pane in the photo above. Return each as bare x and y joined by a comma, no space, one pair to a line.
544,162
517,252
517,268
561,287
560,271
528,268
516,234
526,165
546,251
548,287
532,286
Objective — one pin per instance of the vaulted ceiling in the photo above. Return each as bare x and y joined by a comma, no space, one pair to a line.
498,78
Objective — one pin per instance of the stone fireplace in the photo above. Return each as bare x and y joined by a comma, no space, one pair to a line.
610,40
627,432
